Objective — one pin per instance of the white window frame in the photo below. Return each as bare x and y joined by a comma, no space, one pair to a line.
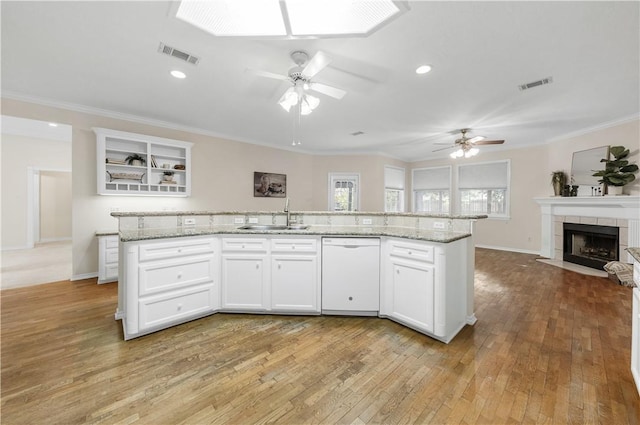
507,214
388,186
333,177
450,189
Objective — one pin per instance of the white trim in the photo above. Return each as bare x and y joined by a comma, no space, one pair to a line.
504,248
33,203
16,248
594,128
348,176
456,192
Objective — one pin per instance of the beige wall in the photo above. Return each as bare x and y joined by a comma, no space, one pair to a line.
55,205
223,172
531,169
222,175
371,171
626,134
19,153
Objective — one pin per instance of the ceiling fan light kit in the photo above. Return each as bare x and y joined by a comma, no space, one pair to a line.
466,146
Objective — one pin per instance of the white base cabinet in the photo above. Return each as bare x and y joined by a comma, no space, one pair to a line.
295,276
270,275
245,274
425,286
108,258
167,282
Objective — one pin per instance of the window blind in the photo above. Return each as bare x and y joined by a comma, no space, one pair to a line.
431,178
490,175
393,178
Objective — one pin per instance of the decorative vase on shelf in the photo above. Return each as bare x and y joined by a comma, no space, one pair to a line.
558,181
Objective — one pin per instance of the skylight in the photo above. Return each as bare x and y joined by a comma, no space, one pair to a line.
288,18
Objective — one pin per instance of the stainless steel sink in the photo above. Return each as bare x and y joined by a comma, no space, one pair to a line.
273,227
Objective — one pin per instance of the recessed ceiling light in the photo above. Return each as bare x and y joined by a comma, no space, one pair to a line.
423,69
53,124
178,74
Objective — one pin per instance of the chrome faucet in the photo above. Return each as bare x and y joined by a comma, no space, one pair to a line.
286,209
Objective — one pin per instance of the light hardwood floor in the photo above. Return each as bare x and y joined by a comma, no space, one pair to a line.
550,346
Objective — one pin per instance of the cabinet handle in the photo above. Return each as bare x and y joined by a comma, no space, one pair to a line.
293,247
397,271
179,250
242,246
410,252
179,275
257,265
279,266
179,306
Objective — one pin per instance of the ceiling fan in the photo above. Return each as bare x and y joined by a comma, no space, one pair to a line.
300,78
466,146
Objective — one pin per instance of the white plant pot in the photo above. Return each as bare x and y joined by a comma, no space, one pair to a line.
614,190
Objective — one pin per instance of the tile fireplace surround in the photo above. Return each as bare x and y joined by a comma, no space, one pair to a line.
618,211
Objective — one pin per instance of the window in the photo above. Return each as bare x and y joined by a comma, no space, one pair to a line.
393,189
484,188
432,190
344,192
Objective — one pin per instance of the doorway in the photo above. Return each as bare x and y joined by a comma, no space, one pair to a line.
36,202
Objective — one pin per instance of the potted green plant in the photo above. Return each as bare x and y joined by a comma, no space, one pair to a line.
617,172
135,159
558,180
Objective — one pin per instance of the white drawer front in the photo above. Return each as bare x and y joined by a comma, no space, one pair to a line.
111,242
294,245
156,251
411,251
244,244
111,271
111,256
175,306
172,274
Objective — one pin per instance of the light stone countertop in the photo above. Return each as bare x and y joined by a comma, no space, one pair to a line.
635,253
316,230
331,213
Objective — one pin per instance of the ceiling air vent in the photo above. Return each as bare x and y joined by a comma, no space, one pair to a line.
536,83
171,51
357,133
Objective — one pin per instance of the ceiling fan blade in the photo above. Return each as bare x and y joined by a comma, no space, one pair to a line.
316,64
328,90
267,74
489,142
443,149
475,139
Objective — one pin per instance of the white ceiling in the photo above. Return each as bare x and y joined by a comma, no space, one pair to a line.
104,55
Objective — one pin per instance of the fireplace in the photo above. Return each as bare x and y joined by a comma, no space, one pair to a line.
590,245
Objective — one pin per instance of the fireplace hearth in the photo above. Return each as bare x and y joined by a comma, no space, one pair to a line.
590,245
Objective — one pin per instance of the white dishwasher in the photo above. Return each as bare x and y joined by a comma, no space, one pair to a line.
351,276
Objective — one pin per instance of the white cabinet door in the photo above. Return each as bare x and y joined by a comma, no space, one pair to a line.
294,283
412,299
245,282
108,258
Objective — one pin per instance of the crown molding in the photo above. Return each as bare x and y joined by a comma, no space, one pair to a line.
596,127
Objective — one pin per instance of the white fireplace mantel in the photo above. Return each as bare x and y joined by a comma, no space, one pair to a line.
614,207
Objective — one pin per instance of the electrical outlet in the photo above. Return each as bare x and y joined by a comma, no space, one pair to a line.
238,220
189,221
438,225
366,221
253,220
114,209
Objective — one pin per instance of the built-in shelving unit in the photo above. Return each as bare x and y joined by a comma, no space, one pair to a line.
164,168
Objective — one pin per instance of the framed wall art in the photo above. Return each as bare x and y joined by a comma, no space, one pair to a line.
269,185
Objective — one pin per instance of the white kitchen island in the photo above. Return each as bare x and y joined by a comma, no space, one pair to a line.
170,274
